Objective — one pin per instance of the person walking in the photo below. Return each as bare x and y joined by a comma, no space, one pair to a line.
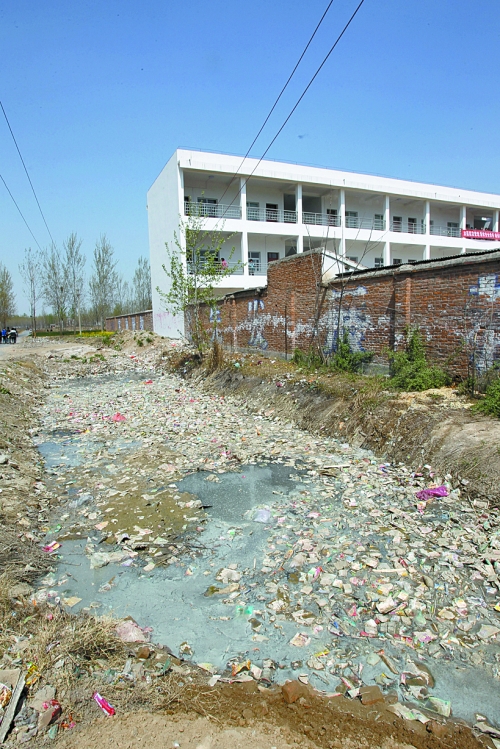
4,335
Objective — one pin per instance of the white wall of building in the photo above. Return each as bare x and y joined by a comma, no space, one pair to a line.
164,207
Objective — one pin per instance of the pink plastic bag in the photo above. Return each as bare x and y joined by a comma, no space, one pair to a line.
437,491
118,417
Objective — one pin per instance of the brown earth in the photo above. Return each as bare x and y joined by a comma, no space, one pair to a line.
180,707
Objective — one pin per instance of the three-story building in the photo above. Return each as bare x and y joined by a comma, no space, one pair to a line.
270,210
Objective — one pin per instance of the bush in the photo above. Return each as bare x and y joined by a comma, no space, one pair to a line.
490,404
409,368
309,360
346,360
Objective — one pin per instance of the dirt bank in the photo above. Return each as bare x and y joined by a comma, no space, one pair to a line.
436,427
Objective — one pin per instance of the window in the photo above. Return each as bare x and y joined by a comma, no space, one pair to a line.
187,205
352,258
252,211
272,256
271,211
379,262
332,217
411,260
290,247
397,261
351,219
397,223
453,228
378,221
412,225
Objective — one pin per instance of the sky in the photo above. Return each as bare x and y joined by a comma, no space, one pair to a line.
100,94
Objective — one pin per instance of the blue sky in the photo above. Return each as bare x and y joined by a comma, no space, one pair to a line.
99,95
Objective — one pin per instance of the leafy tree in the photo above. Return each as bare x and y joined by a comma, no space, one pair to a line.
7,296
194,267
142,285
54,282
103,280
30,271
74,262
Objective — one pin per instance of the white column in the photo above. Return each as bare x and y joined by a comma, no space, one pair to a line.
463,223
427,248
342,222
387,253
298,203
387,213
298,208
244,252
495,220
243,198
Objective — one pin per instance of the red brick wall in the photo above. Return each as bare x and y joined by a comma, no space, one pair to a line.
131,322
455,303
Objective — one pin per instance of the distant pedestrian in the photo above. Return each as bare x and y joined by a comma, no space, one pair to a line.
223,263
4,335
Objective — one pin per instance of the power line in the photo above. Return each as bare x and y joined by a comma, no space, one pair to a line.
279,96
298,100
21,213
28,176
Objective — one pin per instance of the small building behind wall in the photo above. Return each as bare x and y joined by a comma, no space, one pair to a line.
273,210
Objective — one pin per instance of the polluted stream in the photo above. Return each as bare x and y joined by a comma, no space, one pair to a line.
260,551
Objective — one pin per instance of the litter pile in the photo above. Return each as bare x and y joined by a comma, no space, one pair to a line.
363,574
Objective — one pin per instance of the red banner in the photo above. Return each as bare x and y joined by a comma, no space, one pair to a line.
481,234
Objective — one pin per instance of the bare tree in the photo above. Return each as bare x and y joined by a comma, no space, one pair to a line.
142,285
30,271
123,301
7,296
74,262
103,280
55,282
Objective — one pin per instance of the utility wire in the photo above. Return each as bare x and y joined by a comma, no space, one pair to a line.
14,201
279,97
298,101
25,169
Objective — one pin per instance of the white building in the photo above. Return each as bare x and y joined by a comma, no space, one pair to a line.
273,209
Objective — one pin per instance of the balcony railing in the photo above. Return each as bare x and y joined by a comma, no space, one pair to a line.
236,268
271,214
446,231
320,219
372,224
213,210
408,227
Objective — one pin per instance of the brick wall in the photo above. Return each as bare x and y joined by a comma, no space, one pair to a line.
454,302
136,321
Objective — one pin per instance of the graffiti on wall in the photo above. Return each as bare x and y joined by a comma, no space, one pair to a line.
257,324
481,320
354,320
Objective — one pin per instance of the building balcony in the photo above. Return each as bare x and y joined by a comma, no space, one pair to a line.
445,231
276,215
235,267
320,219
212,210
408,227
